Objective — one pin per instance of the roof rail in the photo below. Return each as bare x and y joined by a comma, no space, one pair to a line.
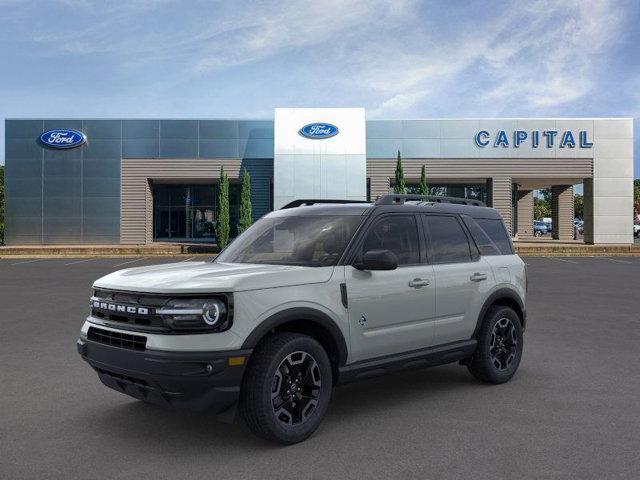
301,202
401,199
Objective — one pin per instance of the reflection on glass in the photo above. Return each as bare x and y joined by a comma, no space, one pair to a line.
189,212
471,191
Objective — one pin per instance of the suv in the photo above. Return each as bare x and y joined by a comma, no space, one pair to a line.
315,294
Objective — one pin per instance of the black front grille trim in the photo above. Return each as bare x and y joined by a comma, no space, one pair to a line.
126,378
117,339
149,321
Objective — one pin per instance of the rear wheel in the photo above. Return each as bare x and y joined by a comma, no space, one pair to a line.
499,349
287,388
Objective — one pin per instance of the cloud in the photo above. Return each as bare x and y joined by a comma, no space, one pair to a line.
317,27
530,57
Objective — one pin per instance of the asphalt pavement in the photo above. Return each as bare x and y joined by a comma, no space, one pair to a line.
571,411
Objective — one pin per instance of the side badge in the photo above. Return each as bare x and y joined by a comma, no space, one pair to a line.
363,321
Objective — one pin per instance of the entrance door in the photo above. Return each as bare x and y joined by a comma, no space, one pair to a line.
184,212
391,311
178,223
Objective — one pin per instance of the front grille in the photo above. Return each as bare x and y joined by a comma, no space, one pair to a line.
117,339
148,321
137,310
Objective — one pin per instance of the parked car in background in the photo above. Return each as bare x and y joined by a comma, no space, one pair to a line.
636,229
539,228
548,223
580,227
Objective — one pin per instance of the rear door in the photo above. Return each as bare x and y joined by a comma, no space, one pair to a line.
462,277
391,311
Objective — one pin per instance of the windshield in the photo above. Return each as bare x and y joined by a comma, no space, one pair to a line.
310,241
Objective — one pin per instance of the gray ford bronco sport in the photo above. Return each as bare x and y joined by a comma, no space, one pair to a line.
315,294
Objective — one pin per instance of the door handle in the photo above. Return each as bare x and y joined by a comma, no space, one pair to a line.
478,277
418,282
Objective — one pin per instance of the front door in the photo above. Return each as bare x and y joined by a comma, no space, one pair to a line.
391,311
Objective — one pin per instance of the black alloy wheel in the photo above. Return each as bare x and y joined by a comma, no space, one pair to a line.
504,343
286,388
296,388
500,346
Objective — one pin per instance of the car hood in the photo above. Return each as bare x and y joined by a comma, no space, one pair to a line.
196,277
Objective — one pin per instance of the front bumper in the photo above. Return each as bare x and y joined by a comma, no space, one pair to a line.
199,381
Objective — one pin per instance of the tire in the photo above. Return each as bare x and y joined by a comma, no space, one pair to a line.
537,233
296,369
500,344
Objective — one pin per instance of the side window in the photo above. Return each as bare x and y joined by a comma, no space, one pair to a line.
449,242
397,233
496,231
484,243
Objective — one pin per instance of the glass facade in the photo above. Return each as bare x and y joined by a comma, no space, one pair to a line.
73,196
472,191
189,212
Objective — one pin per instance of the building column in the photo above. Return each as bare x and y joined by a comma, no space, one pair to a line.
587,185
562,211
500,195
525,214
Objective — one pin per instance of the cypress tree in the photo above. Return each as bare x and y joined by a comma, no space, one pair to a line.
222,226
399,186
423,181
245,220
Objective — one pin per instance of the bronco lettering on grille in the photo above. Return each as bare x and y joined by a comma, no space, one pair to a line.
119,308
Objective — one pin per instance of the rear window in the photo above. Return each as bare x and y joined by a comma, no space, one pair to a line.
486,246
496,231
449,243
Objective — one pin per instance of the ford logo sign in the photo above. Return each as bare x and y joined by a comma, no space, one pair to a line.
63,138
318,130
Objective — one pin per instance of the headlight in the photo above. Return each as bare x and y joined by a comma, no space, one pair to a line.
195,314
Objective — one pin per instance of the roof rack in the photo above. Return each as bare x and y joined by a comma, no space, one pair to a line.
401,199
301,202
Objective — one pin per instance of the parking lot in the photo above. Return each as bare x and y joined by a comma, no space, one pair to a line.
572,410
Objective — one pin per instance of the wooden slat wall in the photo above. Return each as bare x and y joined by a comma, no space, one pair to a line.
562,211
501,191
136,202
381,170
525,214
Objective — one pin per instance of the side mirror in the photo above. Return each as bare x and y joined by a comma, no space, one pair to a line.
377,260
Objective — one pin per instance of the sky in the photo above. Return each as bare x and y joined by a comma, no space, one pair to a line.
242,59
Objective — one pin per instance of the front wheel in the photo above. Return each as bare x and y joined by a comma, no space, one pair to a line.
287,387
499,349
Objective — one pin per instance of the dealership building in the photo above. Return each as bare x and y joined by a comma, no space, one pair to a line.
135,181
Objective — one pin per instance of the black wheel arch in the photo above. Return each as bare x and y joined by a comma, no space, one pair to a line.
308,321
506,297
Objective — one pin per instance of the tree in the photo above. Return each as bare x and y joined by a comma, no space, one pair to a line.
541,208
1,204
399,186
578,206
424,190
245,219
222,226
542,204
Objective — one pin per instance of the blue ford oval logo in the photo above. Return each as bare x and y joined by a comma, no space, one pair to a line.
318,130
63,138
